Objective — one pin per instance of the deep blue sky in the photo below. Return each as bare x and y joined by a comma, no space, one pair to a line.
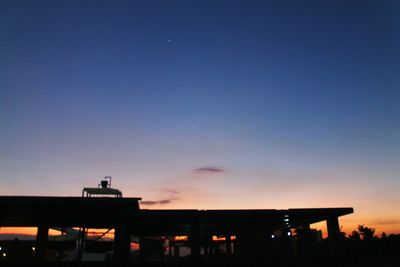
297,103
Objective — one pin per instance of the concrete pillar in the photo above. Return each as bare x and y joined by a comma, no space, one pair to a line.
42,237
195,240
170,247
142,249
304,244
176,251
228,244
122,243
333,235
81,243
244,244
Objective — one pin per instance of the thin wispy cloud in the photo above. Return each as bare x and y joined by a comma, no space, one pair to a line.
165,201
387,222
209,170
172,191
158,202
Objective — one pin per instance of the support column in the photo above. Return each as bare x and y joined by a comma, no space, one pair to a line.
81,243
42,237
142,249
228,244
244,244
122,242
176,251
304,245
195,240
333,235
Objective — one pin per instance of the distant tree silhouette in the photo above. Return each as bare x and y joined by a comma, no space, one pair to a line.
342,234
383,235
355,236
366,233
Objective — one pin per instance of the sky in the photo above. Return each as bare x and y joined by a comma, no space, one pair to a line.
205,104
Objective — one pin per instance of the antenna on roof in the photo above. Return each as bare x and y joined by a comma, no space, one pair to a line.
103,190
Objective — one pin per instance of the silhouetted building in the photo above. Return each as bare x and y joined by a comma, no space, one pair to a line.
165,235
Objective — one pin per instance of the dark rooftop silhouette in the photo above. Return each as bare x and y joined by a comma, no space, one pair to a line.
246,234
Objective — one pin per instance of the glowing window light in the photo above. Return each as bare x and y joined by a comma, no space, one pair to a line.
218,238
180,238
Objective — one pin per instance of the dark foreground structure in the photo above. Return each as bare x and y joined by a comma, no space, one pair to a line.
160,236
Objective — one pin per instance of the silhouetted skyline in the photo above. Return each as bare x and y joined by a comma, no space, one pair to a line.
205,104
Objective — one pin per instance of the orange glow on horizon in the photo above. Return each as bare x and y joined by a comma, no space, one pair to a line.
28,231
31,232
348,224
105,233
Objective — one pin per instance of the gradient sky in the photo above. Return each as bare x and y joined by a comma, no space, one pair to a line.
205,104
